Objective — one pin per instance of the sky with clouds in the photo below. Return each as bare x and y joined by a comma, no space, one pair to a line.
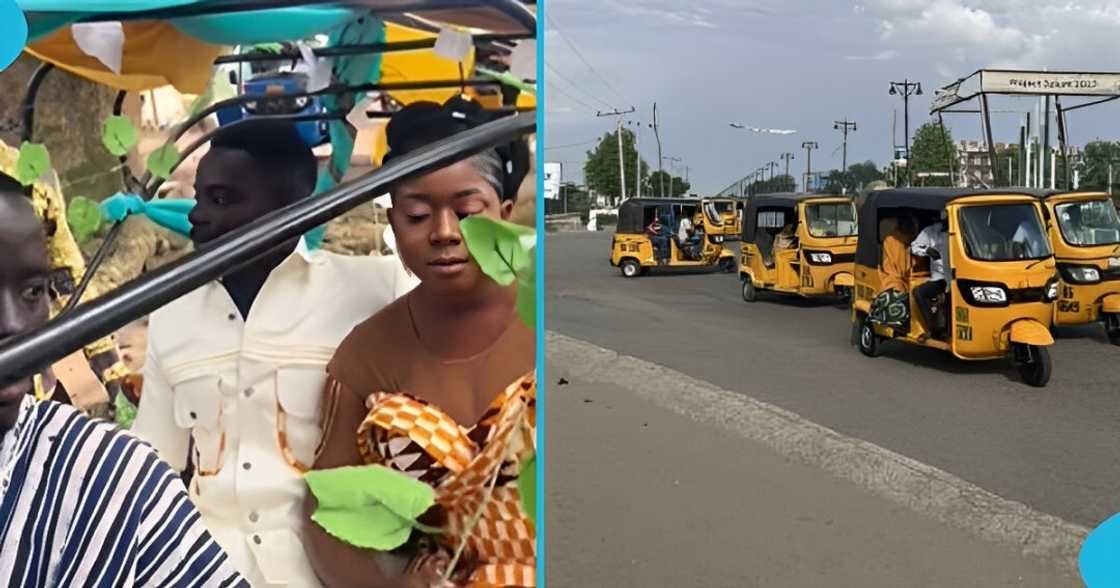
800,65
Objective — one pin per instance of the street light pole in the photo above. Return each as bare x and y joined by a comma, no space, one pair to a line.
843,126
809,146
787,157
908,88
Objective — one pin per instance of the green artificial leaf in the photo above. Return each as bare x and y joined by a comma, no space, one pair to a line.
527,488
273,48
372,507
33,162
508,79
368,527
84,217
119,135
163,160
502,249
527,293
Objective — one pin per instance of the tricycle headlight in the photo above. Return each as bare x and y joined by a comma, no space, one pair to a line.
1052,291
1085,274
1080,274
824,258
989,294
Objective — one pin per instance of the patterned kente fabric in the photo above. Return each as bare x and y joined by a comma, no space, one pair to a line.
474,471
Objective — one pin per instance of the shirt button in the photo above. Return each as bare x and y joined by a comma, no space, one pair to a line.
193,415
257,539
254,517
247,466
232,316
248,392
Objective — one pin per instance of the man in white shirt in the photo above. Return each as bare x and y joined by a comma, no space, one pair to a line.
932,242
235,369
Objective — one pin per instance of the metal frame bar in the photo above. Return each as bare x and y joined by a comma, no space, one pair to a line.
183,127
987,116
343,50
28,105
516,11
1093,103
29,352
1062,139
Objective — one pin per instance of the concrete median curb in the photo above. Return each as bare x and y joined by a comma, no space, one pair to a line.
910,483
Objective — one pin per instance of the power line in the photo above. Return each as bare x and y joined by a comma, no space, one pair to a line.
577,86
570,145
568,41
574,99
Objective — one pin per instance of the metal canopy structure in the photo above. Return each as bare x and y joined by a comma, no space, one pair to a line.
82,322
1102,86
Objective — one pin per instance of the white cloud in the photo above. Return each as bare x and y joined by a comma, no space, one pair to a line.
886,55
1073,34
667,12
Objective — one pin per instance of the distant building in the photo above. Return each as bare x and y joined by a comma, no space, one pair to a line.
974,167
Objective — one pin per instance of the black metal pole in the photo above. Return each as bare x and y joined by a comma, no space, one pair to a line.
1062,141
988,135
1045,147
28,106
906,126
29,352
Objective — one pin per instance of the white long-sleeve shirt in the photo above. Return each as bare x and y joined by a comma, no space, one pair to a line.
932,237
249,393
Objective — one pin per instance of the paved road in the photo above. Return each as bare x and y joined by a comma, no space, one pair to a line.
1056,449
649,489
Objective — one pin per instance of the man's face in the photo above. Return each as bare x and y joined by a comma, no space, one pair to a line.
24,299
231,191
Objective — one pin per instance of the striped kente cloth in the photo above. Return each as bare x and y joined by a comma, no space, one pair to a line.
83,503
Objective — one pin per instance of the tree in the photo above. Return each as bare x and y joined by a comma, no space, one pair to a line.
932,151
674,185
856,178
600,170
782,183
1096,158
862,174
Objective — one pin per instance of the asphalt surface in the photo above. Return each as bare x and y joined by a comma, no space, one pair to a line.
641,495
1056,449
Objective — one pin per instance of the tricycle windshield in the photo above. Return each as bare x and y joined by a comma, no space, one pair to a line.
1088,223
1004,232
836,219
712,212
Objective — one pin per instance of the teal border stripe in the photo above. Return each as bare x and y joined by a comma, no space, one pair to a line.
542,386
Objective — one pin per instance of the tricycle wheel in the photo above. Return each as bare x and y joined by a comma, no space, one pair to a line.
1114,336
1036,370
750,293
630,268
727,264
867,340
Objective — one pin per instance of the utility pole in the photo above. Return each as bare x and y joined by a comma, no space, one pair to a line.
787,157
844,126
637,161
908,88
657,135
672,178
772,164
808,146
621,160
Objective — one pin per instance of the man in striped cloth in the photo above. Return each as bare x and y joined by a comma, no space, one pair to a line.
81,502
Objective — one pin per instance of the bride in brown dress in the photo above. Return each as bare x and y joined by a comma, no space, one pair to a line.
440,384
